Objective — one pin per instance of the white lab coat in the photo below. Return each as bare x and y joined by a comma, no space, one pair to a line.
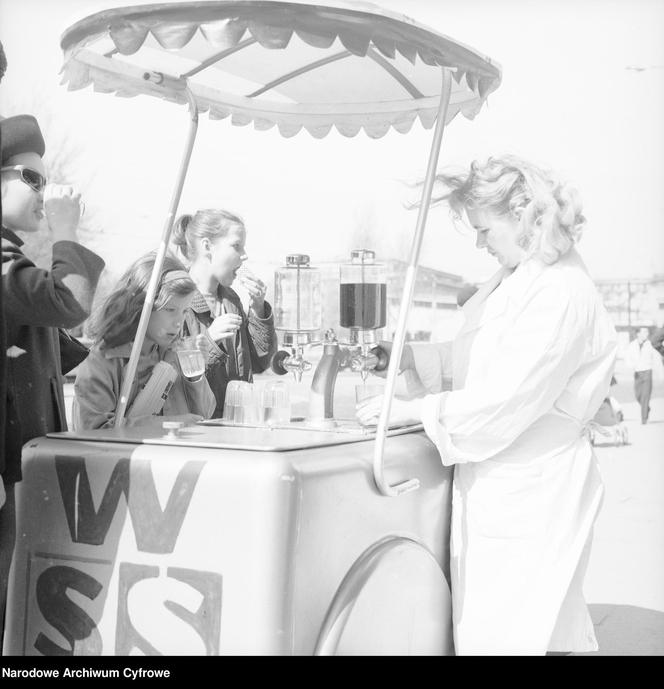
531,366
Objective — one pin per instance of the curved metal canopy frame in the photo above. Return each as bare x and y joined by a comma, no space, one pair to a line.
315,76
346,65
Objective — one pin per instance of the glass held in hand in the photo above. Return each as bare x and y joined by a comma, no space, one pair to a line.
254,286
243,273
190,358
367,391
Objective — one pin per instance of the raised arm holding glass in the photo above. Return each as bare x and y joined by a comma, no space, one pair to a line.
36,302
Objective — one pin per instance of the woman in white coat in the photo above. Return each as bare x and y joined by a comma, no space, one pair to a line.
530,367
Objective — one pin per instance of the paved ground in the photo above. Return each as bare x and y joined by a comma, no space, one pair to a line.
625,581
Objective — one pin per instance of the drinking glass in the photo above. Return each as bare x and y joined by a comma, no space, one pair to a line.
190,358
239,403
275,404
364,392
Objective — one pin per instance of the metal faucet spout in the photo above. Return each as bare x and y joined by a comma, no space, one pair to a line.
321,397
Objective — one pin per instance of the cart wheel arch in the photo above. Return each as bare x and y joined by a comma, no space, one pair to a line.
377,575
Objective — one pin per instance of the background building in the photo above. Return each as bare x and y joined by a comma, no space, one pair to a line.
435,314
633,303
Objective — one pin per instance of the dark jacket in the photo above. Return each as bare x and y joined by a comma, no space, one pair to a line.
254,346
3,380
36,303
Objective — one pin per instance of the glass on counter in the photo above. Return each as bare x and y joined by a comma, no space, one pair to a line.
275,408
256,405
240,403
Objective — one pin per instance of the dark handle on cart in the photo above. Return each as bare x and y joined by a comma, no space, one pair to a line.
382,358
277,362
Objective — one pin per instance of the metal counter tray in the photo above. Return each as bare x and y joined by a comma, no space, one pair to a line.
217,433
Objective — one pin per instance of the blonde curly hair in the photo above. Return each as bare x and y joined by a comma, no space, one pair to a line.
549,211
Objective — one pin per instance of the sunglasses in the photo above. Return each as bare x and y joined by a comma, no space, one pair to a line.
35,180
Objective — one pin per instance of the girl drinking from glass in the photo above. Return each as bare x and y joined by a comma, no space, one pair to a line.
239,344
100,376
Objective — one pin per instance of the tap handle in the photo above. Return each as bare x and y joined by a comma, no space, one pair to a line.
278,362
382,358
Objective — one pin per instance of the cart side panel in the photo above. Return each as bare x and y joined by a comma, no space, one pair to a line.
125,549
342,515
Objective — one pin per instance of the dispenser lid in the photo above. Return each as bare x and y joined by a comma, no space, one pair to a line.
297,260
362,256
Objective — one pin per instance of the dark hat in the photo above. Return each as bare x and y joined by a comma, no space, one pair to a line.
20,134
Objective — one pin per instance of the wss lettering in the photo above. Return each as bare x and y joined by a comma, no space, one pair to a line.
166,597
151,604
64,615
205,621
156,531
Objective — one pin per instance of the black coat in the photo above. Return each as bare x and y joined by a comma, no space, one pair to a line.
36,303
3,378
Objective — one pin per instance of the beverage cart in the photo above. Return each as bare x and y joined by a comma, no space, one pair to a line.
310,536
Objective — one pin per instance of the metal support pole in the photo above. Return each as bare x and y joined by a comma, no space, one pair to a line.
130,373
409,286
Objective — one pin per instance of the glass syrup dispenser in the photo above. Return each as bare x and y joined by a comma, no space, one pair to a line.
297,313
363,297
363,310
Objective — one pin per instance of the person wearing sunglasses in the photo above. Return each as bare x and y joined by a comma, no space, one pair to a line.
36,303
28,175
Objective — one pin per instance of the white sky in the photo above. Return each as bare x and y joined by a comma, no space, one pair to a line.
566,100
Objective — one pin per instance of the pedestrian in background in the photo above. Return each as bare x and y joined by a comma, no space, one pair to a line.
642,359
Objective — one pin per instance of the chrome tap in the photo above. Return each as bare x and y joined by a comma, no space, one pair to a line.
367,355
369,358
337,357
283,362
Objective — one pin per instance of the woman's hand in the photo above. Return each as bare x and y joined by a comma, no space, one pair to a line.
256,289
224,326
402,412
407,359
63,210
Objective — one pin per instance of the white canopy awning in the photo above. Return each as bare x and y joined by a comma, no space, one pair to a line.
346,65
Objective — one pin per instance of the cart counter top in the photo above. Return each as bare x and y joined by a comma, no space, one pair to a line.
217,434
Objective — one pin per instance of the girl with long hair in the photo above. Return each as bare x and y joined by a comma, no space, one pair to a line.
100,376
